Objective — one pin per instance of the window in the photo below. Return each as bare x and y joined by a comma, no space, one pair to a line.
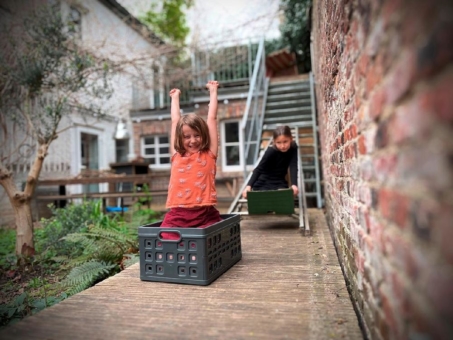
122,150
231,146
156,150
89,156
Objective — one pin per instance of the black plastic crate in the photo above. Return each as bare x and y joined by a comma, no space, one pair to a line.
199,257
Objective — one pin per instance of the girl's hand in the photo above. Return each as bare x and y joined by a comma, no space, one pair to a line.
174,93
246,190
212,84
295,190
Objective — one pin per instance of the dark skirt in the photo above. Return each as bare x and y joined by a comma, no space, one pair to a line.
201,217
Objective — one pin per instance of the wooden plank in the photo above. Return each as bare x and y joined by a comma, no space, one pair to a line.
97,180
103,195
286,286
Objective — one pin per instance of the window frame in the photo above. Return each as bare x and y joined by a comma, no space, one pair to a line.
157,155
224,144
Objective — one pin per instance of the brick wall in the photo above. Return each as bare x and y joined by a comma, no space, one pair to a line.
384,82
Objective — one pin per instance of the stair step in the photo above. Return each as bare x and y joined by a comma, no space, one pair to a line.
305,103
276,82
288,88
287,96
303,109
282,120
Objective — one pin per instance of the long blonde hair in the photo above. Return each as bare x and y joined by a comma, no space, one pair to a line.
196,123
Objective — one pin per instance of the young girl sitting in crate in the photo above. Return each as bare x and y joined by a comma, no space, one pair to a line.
270,174
192,194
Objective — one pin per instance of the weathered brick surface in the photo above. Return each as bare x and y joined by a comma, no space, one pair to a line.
384,80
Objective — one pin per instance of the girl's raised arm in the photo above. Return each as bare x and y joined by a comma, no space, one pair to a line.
175,115
212,116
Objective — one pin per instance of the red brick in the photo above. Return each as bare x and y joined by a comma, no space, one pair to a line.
400,293
385,166
421,323
409,121
362,146
443,231
425,166
363,63
359,261
385,203
377,101
439,289
391,313
366,170
374,75
401,78
363,117
353,130
375,231
365,195
348,115
438,99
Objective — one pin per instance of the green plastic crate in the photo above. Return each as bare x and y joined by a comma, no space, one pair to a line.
279,202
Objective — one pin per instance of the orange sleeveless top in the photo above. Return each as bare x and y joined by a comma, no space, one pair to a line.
192,180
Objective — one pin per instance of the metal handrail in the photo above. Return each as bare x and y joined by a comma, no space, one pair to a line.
303,213
251,124
315,142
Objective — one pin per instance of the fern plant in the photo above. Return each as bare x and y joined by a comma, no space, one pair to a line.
87,274
105,245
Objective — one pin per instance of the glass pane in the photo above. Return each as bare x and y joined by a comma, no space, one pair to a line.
231,132
149,151
251,155
151,160
164,160
232,155
164,149
163,139
121,143
149,140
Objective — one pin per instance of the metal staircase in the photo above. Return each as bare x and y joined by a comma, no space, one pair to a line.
291,102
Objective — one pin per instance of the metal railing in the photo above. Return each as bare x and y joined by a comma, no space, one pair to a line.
315,143
252,121
227,64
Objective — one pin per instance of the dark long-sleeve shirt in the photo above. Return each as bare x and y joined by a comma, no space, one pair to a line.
273,167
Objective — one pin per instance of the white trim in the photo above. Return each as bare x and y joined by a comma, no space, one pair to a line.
223,144
156,155
76,163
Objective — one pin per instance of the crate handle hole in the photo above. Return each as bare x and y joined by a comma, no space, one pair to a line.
170,236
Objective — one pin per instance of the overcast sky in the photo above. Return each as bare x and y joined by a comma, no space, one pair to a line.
216,21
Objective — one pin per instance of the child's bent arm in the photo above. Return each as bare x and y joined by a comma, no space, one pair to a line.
175,116
246,190
212,116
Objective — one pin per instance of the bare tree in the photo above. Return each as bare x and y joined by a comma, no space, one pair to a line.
44,76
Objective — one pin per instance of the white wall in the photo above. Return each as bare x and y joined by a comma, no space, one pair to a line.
106,34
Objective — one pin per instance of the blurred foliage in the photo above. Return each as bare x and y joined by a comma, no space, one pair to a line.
168,21
295,32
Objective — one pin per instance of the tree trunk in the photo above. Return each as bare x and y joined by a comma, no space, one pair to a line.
24,228
20,201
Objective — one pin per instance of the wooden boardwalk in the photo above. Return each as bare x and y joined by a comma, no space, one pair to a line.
287,286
